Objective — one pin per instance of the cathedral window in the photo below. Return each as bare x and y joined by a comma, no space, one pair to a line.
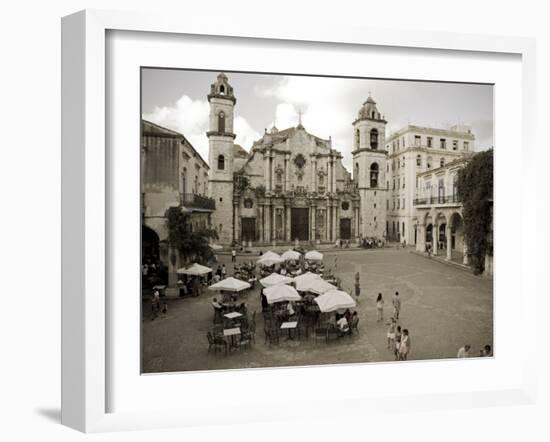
466,145
221,162
221,122
418,160
299,161
374,175
248,203
345,205
442,143
357,139
374,139
222,90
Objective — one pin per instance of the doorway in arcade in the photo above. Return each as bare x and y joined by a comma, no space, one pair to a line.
299,224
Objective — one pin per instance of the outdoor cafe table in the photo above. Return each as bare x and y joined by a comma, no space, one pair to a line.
233,315
289,326
232,332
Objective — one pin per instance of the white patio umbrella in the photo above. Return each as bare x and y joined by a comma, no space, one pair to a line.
334,300
280,293
291,255
270,258
216,247
303,281
275,279
230,285
319,286
314,255
194,269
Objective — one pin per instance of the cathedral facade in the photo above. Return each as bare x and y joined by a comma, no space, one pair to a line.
292,186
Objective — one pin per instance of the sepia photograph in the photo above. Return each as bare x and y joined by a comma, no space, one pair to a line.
293,220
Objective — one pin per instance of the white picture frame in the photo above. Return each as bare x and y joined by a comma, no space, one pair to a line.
86,351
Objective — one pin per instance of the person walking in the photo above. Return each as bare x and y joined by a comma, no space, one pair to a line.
379,308
390,335
397,342
405,345
463,352
357,285
233,255
396,301
224,271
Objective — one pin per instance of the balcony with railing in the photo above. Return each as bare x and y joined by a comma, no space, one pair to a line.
449,200
192,200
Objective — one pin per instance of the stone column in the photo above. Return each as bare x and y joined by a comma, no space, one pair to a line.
337,220
236,232
261,223
420,237
273,224
435,238
266,171
465,259
313,173
334,175
333,223
449,242
313,210
267,217
286,173
329,175
172,267
287,222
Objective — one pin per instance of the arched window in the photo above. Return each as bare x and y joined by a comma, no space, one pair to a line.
374,139
221,122
222,89
221,162
372,115
374,175
357,138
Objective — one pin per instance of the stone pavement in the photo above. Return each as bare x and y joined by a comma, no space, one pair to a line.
444,307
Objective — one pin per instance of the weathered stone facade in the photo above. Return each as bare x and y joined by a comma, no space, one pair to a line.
290,187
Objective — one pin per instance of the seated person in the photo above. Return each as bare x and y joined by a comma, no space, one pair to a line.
342,324
290,309
216,304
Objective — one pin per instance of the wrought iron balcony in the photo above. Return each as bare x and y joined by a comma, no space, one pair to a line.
437,200
197,201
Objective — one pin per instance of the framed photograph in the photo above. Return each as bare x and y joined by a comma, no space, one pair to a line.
313,221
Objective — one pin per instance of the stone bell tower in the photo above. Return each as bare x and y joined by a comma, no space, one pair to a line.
369,168
220,157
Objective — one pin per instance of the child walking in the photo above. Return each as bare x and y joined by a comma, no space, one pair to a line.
390,335
379,308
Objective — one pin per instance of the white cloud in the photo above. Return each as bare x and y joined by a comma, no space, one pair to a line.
190,118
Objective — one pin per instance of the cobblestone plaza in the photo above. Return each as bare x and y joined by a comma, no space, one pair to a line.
444,307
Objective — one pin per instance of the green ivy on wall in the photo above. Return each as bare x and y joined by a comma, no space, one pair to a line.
475,189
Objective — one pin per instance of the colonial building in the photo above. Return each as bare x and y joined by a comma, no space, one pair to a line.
291,185
438,222
411,151
173,174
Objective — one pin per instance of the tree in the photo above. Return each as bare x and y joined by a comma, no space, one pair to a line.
475,190
192,246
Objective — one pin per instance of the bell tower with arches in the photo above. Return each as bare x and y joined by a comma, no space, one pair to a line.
369,168
220,155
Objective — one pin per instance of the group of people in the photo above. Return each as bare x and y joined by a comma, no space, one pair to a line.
157,307
464,352
398,339
221,308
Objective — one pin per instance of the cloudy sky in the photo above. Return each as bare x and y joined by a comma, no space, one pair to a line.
176,99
